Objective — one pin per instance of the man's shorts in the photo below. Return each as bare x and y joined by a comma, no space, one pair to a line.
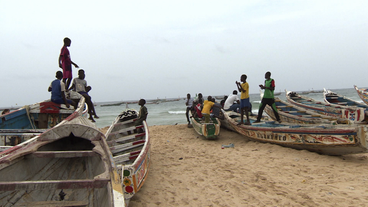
67,73
244,103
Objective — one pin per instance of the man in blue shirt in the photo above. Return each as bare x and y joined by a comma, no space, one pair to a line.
57,88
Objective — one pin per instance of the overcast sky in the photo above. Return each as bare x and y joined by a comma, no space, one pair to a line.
157,49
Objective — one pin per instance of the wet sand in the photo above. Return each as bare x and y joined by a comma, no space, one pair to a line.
187,170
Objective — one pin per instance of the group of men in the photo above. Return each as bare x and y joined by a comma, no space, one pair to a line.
232,102
61,84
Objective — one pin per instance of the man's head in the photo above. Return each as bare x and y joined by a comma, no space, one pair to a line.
59,75
268,75
67,41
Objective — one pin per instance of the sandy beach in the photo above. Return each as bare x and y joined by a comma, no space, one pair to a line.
187,170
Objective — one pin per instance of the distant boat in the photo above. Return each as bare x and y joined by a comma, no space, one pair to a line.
339,100
355,114
363,94
323,139
295,114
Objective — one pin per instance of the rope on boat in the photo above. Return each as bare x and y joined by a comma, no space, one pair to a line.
29,118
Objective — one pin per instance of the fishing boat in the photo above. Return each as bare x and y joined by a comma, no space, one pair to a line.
26,122
352,113
363,94
130,147
209,130
339,100
323,139
295,114
67,165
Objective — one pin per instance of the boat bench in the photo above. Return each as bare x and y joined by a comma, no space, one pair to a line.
54,184
53,203
63,154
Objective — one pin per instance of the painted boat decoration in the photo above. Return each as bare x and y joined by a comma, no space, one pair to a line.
295,114
323,139
363,94
339,100
208,130
352,113
130,147
26,122
67,165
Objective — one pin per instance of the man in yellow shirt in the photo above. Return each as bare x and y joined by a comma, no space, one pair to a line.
206,111
244,98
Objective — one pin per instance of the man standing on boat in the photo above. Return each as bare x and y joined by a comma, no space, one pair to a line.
268,97
244,98
66,63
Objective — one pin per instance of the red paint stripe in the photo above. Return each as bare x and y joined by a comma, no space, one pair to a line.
139,142
133,157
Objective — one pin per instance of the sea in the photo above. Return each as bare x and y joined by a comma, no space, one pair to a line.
172,111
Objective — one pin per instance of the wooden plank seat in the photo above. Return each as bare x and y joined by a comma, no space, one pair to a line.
126,157
53,203
54,184
126,138
126,130
285,106
63,154
125,122
123,147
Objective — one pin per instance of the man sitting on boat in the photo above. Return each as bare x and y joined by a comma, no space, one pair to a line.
57,89
143,112
80,85
232,102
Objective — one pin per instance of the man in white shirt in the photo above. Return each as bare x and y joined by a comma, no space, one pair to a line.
232,102
189,104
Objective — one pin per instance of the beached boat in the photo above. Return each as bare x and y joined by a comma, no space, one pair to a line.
208,130
295,114
324,139
363,94
352,113
26,122
339,100
130,147
67,165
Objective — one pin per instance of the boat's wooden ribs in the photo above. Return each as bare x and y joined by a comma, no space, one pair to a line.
54,184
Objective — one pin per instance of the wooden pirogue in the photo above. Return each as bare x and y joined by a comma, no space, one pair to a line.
324,139
28,121
67,165
208,130
130,147
355,114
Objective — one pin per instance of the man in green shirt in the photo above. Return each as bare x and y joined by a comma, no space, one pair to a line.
268,97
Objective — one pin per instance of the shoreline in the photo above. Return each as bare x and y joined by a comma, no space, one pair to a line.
187,170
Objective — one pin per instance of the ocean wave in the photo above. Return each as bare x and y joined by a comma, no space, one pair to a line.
177,112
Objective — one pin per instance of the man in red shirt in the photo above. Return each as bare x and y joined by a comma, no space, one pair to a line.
66,63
